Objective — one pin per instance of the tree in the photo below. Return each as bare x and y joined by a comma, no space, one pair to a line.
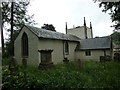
116,37
114,8
48,27
15,14
2,40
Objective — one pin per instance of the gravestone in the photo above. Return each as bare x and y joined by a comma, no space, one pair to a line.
46,59
24,61
117,57
79,63
12,65
105,58
65,60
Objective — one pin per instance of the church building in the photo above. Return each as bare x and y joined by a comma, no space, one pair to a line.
83,32
77,44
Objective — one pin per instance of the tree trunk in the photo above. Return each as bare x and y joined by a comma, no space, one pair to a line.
12,6
11,35
2,37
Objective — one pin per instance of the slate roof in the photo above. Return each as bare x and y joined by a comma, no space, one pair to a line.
117,47
42,33
95,43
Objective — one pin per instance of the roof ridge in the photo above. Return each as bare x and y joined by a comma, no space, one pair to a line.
97,37
51,34
48,30
95,43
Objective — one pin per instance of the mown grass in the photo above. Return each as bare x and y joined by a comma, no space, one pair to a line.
90,74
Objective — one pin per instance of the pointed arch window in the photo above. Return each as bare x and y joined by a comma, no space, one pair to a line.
24,44
66,47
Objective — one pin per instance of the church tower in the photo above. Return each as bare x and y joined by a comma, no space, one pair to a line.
83,32
91,30
66,28
85,29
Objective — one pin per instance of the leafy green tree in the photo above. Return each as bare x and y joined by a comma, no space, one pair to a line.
114,8
48,27
15,15
116,37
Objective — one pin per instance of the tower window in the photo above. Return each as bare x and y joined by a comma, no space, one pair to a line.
24,44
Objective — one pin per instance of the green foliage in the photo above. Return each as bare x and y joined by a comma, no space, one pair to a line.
48,27
90,75
20,14
116,37
14,14
114,8
5,61
9,45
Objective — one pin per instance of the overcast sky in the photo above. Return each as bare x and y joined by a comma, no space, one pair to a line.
57,12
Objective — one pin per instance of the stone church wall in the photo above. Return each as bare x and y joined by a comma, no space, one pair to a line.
95,55
32,46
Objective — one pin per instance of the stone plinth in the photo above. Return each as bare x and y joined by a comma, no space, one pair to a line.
46,59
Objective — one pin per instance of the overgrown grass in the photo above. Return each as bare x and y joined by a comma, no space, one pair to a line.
90,75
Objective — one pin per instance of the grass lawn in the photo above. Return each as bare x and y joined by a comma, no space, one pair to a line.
90,74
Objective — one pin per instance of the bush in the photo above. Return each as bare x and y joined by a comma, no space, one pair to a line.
90,75
6,61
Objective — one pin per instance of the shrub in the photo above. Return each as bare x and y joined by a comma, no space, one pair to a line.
6,61
90,75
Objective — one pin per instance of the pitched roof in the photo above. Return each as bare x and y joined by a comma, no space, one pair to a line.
42,33
117,47
95,43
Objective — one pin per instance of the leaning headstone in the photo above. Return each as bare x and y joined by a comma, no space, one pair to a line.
79,63
12,65
24,62
107,58
117,57
65,60
102,58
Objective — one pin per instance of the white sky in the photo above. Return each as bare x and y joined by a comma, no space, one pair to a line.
57,12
